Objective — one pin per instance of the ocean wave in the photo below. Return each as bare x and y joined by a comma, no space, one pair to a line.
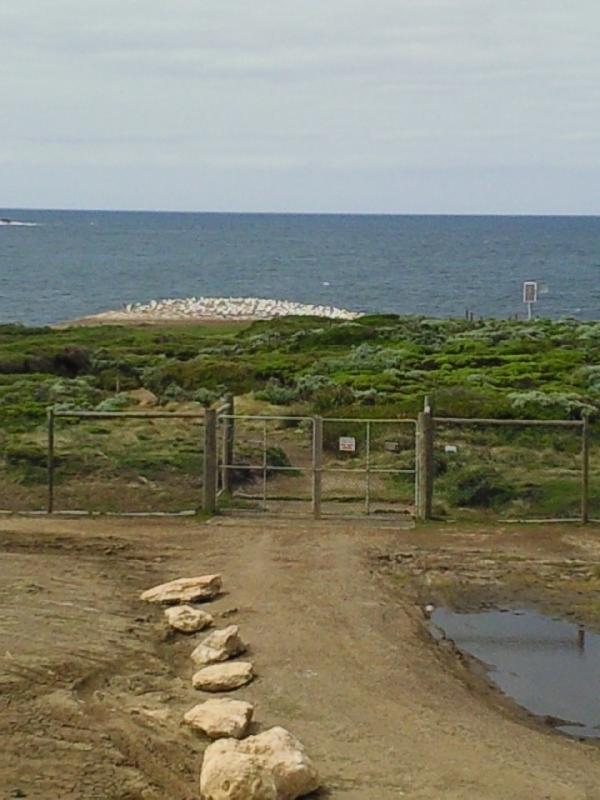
15,223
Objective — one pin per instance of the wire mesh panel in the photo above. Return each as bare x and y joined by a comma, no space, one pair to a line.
516,470
120,463
23,470
368,467
269,464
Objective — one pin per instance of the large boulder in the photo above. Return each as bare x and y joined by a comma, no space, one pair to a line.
188,619
184,590
220,645
254,765
223,677
221,717
232,775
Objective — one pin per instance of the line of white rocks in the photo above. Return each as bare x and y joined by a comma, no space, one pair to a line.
272,765
225,308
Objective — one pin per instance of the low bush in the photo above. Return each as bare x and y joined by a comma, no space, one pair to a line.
277,394
478,487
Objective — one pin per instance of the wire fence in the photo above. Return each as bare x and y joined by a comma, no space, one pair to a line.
158,462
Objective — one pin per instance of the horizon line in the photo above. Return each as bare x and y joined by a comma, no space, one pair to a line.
305,213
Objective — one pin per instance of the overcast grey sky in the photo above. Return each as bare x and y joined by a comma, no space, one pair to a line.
457,106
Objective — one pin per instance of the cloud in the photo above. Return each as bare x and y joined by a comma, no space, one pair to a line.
348,86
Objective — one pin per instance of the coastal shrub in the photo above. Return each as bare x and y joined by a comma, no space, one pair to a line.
175,393
558,498
277,394
26,462
471,401
248,455
206,397
277,457
591,377
369,357
366,397
478,487
209,373
117,402
307,385
550,405
331,397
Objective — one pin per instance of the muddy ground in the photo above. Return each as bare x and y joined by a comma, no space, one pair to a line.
92,689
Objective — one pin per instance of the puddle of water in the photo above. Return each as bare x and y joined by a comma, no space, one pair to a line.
550,667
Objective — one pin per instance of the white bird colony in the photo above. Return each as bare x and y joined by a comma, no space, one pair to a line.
226,308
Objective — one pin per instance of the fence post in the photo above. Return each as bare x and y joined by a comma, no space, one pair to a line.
50,462
317,465
228,441
585,469
209,500
424,464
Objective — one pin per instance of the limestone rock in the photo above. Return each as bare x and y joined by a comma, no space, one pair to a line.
232,775
221,717
253,765
220,645
184,590
223,677
188,619
143,397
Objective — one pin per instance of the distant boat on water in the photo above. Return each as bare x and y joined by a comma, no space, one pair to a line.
16,223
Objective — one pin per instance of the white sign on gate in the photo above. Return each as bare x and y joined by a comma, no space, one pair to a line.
347,444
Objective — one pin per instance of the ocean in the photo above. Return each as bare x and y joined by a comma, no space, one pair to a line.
68,264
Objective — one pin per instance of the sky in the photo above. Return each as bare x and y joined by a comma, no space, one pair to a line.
366,106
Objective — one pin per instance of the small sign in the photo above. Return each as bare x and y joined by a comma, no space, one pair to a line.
530,292
391,446
450,448
347,444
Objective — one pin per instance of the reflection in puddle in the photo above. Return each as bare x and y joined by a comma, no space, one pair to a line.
550,667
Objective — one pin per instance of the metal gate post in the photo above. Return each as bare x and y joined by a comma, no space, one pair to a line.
317,459
209,498
368,469
265,466
424,464
585,469
228,441
50,465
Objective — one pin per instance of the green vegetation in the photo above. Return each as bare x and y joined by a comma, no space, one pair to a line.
378,366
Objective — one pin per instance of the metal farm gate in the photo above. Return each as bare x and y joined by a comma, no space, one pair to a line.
158,461
327,466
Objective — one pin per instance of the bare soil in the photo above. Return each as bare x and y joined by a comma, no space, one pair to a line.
93,688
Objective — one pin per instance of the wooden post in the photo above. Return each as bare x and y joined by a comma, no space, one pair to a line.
317,465
50,462
585,469
209,500
424,465
228,443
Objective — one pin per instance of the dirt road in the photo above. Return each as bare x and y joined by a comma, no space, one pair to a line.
92,690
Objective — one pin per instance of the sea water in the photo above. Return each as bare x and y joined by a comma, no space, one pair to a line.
67,264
